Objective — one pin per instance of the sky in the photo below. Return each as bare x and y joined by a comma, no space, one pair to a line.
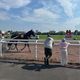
41,15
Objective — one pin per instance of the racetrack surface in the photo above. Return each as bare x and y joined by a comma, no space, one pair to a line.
12,70
73,51
22,65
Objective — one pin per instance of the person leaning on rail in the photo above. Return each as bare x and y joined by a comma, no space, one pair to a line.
64,52
3,42
48,45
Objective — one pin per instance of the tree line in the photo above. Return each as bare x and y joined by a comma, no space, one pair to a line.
76,32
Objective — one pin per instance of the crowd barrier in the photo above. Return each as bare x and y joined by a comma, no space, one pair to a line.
38,42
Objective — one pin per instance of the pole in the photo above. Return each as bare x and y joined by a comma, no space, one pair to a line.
36,50
79,53
0,48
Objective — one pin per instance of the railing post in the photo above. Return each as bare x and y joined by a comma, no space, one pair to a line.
79,52
36,50
0,48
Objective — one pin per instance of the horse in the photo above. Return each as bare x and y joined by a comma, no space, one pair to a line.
27,35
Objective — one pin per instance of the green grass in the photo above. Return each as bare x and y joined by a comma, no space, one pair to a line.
55,37
76,37
59,37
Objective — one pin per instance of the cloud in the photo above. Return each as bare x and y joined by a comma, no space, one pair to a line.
40,15
52,5
8,4
73,24
45,13
68,7
4,15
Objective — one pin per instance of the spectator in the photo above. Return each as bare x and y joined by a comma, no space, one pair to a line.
48,45
0,34
3,42
64,52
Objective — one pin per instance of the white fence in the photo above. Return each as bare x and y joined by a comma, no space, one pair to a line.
38,42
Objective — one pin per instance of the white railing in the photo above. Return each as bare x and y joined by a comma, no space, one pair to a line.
35,42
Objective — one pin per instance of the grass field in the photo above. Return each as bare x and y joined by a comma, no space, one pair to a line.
58,37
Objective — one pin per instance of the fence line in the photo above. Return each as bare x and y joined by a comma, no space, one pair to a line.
36,42
20,42
37,39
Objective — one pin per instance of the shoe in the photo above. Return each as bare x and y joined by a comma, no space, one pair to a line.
46,61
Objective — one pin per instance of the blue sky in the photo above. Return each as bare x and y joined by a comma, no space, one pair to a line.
42,15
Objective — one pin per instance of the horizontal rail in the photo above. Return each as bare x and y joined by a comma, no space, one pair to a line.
56,44
41,40
17,39
35,41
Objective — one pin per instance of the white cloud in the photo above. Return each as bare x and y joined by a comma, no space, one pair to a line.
45,13
7,4
68,7
41,15
47,17
51,5
72,24
4,16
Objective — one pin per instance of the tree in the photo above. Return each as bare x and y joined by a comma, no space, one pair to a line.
76,32
61,33
52,32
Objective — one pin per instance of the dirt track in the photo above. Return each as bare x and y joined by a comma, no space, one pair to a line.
26,55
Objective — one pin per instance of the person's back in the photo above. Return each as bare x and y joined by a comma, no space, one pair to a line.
64,52
48,45
64,45
48,42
